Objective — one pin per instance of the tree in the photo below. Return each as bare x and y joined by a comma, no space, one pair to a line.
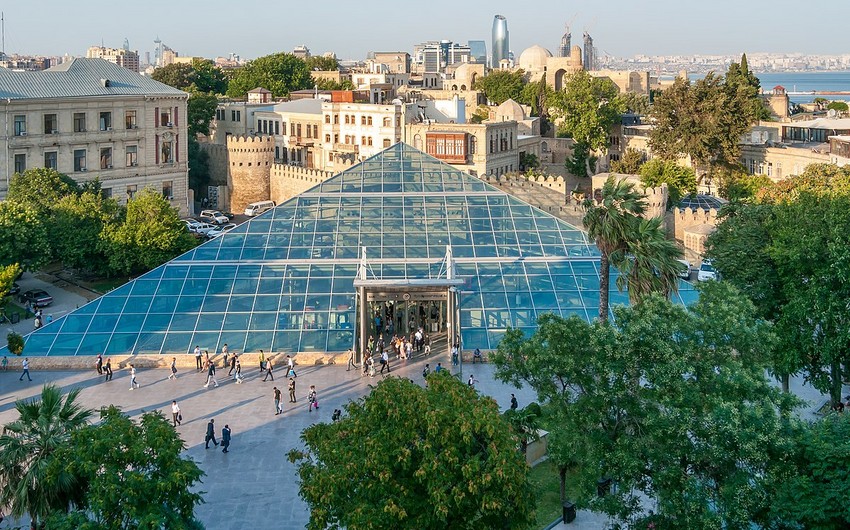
811,494
609,224
630,163
671,405
23,235
202,75
329,84
151,234
177,75
650,264
199,168
680,180
585,110
742,84
8,275
501,85
636,103
838,106
132,474
322,63
200,109
441,457
35,480
40,188
15,343
78,221
528,161
703,120
280,73
735,184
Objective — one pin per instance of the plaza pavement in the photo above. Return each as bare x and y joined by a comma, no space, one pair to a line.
254,486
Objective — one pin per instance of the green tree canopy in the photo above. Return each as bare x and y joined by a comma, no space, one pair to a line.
133,475
681,181
630,163
15,343
77,223
32,470
501,85
838,106
177,75
586,109
281,73
24,237
742,84
670,404
636,103
329,84
201,109
8,275
151,234
200,76
650,263
440,457
322,63
40,188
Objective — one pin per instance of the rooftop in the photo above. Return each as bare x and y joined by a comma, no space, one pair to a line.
823,123
80,78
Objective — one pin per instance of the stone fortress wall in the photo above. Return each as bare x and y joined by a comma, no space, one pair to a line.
288,181
250,159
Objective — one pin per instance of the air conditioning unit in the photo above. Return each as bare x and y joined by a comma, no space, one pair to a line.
170,197
109,128
108,166
169,124
83,169
23,134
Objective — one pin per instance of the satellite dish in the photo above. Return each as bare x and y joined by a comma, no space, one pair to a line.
831,113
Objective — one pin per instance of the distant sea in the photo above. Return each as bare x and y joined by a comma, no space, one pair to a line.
807,81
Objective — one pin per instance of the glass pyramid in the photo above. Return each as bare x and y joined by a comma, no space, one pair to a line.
283,281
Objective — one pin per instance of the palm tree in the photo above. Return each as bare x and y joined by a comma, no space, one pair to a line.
610,223
650,264
30,479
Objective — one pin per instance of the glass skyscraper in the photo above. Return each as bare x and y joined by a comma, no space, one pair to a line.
500,44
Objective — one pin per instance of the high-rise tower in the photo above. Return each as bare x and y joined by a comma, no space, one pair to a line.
500,41
566,43
589,54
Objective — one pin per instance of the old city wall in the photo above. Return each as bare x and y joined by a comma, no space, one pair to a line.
684,218
218,163
288,181
250,159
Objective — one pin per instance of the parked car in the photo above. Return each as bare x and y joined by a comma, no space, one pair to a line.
707,271
36,298
192,224
256,208
15,289
220,230
204,228
685,274
213,216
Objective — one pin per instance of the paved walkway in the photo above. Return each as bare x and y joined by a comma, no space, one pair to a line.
254,486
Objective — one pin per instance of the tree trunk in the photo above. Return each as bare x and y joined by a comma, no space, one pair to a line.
588,170
786,383
604,283
562,473
835,383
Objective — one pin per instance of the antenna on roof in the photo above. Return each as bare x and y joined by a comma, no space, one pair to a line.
3,31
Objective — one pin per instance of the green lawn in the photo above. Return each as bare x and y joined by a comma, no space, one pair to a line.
14,308
105,285
544,480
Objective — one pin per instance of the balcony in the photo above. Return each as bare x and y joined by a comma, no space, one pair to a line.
301,141
347,148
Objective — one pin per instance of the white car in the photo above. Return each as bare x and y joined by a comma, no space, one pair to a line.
192,224
220,230
707,272
202,228
685,274
213,216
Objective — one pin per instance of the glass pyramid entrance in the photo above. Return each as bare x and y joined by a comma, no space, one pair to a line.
284,281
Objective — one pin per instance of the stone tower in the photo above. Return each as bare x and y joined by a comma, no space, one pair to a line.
251,159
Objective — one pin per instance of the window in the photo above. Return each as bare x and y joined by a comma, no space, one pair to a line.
283,129
167,189
346,119
51,159
219,114
315,131
105,121
165,117
362,120
277,127
51,124
79,122
328,119
362,140
473,143
106,158
20,162
386,142
369,120
167,153
131,190
20,125
327,138
132,152
336,119
309,131
387,122
79,159
130,119
369,140
298,129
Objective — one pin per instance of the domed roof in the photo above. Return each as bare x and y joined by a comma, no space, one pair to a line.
511,110
701,201
534,58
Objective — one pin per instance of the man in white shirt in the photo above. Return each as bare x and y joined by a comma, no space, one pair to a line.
26,372
175,413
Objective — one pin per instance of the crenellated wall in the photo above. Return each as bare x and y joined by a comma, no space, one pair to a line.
250,159
684,218
288,181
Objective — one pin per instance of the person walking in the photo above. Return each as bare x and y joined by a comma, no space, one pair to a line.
225,438
514,403
210,434
438,368
173,374
176,417
26,367
350,360
291,390
238,375
133,383
313,399
98,364
232,363
269,368
290,363
277,408
427,341
385,362
471,381
262,361
225,352
198,358
5,363
107,369
426,371
211,374
454,355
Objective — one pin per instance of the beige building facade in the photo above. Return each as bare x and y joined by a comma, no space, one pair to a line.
97,120
478,149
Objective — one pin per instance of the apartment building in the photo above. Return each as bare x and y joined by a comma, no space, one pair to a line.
90,118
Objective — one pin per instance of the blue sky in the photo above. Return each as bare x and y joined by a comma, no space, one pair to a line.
619,27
